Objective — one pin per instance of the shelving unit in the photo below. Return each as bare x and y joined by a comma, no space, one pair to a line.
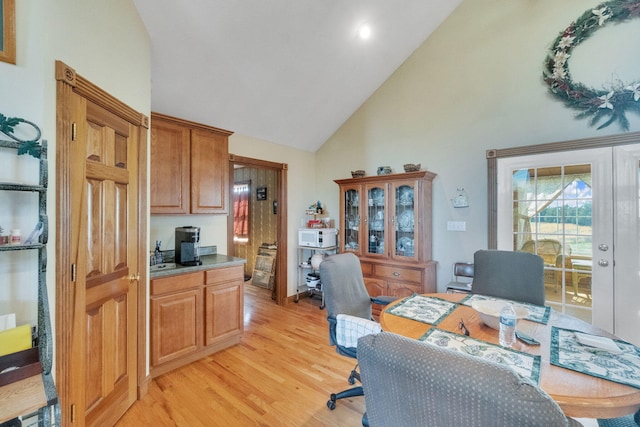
304,268
35,396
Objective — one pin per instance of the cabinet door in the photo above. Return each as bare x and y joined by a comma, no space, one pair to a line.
350,205
405,222
224,311
209,172
375,219
176,325
169,171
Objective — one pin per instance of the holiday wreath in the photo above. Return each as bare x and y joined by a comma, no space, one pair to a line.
597,104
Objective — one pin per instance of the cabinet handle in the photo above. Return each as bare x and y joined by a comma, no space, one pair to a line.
134,277
395,273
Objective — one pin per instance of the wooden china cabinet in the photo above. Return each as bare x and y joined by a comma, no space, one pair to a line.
386,222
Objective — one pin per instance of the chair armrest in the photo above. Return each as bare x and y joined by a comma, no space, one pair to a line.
383,299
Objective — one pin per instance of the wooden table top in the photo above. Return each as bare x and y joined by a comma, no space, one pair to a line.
579,395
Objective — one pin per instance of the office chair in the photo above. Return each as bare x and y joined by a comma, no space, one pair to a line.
410,383
632,420
517,276
348,311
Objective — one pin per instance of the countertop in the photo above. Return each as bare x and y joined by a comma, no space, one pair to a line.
208,262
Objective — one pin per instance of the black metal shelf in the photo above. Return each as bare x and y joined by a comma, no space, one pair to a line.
37,149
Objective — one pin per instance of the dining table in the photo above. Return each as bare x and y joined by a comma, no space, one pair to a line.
578,394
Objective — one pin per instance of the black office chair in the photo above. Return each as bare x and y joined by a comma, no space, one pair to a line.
517,276
462,277
345,294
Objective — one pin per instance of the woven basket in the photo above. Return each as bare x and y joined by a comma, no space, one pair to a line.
410,167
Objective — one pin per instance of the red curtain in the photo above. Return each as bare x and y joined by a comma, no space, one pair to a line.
241,212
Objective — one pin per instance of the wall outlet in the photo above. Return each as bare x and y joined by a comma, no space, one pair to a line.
456,226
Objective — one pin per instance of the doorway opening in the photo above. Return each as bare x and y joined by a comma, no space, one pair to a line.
260,216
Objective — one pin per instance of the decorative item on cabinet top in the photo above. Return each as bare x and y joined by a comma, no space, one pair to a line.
410,167
384,170
357,174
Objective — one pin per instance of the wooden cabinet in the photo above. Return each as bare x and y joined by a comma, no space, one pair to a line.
224,304
195,314
176,317
189,167
386,222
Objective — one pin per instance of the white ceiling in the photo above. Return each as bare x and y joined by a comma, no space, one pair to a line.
285,71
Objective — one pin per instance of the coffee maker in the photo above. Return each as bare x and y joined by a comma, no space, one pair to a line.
188,245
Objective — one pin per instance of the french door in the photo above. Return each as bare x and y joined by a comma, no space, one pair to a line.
578,210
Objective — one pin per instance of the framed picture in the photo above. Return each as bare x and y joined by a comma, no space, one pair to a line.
8,31
261,193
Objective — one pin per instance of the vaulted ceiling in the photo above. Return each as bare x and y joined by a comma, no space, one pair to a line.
285,71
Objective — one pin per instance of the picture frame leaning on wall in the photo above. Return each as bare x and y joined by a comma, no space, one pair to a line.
8,31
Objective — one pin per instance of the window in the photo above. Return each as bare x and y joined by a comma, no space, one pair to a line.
241,193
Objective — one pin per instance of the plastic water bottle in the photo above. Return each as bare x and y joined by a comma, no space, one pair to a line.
507,325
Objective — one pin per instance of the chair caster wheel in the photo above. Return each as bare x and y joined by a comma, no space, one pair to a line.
331,403
352,380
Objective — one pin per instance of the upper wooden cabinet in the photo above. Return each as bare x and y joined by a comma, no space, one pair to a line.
189,167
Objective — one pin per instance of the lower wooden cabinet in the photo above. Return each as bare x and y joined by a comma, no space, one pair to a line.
176,323
383,278
195,314
224,305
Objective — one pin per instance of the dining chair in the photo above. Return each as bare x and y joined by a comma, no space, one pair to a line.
632,420
462,277
348,307
410,383
517,276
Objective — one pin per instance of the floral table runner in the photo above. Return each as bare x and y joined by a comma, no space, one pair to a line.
537,313
423,309
526,365
567,352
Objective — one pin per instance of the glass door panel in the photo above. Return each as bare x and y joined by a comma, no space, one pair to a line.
376,220
552,218
351,220
404,220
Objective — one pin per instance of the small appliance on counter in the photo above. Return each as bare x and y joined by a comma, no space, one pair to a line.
188,245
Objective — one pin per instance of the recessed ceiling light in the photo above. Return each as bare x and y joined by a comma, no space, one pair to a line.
364,32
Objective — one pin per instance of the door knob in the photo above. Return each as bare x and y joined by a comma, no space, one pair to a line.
134,277
603,263
603,247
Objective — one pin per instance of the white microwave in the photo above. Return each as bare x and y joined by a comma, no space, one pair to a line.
317,237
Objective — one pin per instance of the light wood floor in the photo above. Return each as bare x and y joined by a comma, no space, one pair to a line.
281,374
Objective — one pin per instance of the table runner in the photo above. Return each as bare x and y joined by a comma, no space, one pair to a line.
568,353
526,365
423,309
537,313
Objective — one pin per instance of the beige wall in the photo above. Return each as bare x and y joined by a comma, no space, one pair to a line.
475,84
106,43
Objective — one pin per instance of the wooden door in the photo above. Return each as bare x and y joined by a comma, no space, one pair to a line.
100,228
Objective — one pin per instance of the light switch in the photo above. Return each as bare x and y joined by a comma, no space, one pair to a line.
456,226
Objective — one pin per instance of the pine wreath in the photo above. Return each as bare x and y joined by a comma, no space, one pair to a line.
612,104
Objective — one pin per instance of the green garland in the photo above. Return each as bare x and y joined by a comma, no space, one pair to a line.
612,104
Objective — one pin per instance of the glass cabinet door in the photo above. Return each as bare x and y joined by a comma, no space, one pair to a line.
376,220
404,221
351,220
